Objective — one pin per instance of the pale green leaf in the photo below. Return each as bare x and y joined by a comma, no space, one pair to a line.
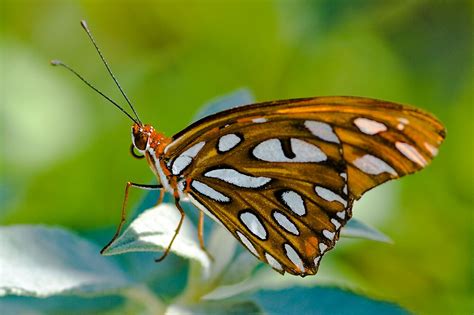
42,261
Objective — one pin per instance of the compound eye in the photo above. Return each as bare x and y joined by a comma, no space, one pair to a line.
141,141
135,154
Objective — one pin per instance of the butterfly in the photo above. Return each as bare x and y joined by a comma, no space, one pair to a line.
282,176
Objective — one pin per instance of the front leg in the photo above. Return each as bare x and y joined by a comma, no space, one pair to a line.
124,204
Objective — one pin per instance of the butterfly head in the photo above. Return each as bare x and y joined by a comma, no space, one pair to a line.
145,137
141,137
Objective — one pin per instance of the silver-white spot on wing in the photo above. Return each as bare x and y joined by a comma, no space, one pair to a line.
285,223
209,191
259,120
294,257
322,130
273,262
372,165
411,153
271,150
344,176
247,243
181,185
236,178
369,126
186,158
341,214
433,150
329,195
316,260
336,223
322,248
294,201
228,142
253,224
329,235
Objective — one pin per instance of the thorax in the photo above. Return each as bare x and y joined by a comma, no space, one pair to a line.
155,158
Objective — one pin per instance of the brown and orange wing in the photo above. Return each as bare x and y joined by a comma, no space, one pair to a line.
282,176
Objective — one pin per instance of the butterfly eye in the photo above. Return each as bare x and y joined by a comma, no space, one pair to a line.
135,154
140,140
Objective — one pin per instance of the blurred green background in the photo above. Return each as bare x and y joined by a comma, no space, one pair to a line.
65,158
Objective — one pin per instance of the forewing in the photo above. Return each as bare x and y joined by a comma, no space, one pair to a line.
380,140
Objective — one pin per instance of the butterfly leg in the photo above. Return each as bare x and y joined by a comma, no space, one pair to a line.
181,211
201,235
124,204
160,198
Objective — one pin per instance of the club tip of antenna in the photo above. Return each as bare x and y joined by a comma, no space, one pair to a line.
55,62
84,24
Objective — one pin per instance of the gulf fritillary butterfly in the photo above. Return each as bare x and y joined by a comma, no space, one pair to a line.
282,176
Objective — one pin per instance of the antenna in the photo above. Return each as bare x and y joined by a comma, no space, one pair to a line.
60,63
84,26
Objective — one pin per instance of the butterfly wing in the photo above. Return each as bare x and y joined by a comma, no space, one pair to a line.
282,194
281,176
